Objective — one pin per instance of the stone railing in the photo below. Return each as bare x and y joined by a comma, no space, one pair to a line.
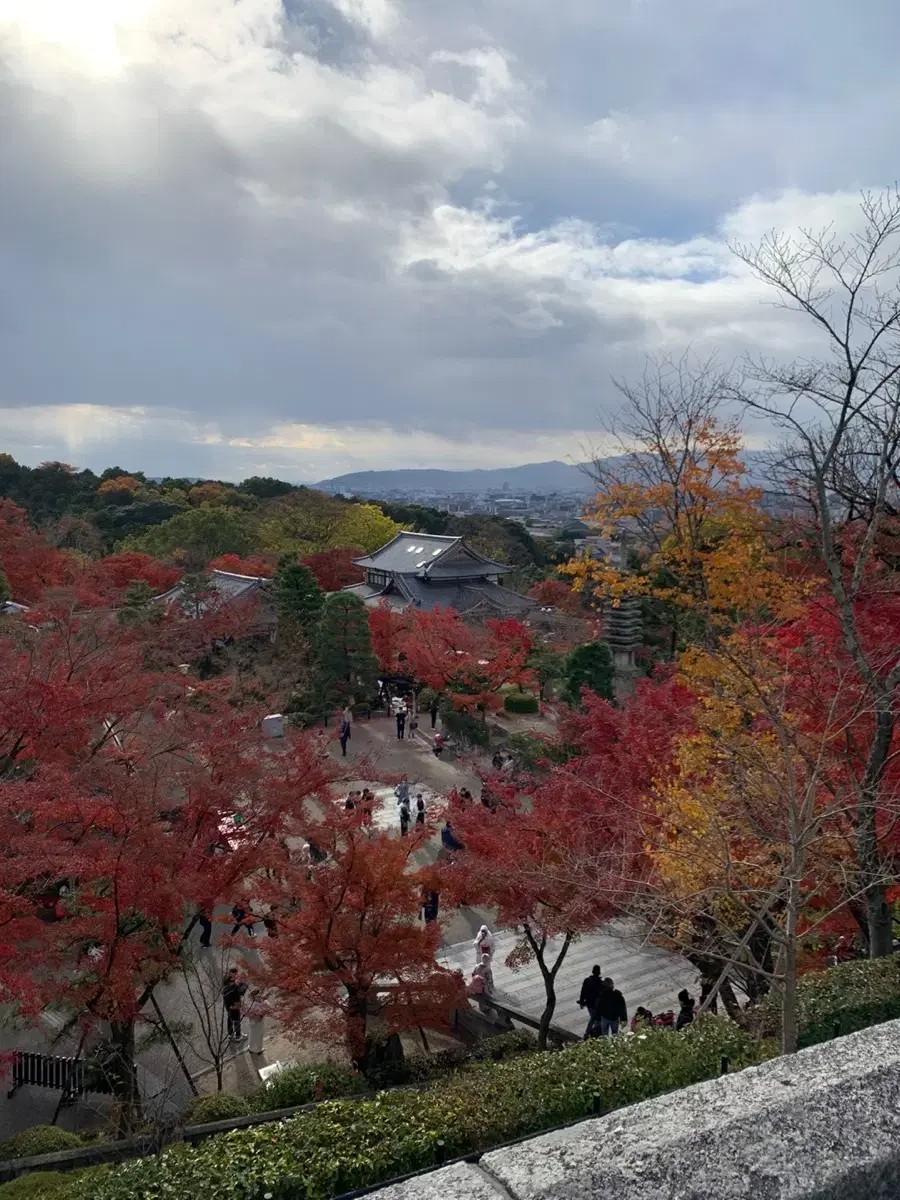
823,1124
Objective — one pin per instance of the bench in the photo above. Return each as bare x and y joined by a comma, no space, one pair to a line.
72,1076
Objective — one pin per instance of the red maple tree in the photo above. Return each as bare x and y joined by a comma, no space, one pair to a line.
350,946
334,569
469,663
236,565
31,565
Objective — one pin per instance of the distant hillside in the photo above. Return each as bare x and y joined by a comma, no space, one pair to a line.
531,477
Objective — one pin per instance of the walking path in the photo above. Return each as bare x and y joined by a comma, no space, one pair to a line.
644,974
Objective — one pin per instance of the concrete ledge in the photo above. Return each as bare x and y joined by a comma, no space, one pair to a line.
823,1124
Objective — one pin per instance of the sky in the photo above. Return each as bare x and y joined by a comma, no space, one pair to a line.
305,237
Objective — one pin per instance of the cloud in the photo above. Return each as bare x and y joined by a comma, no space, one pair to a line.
418,234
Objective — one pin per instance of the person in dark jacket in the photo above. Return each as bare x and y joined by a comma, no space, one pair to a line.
433,709
449,840
233,989
686,1013
609,1011
590,991
344,736
404,818
420,809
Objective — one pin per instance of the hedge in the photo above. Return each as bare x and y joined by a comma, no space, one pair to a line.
52,1185
341,1145
841,999
38,1139
520,702
216,1106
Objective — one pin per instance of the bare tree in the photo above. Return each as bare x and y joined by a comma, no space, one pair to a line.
841,418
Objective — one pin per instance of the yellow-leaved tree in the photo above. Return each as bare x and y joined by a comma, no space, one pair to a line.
690,529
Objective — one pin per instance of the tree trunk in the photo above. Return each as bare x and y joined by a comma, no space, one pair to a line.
878,912
788,973
357,1027
547,1014
123,1078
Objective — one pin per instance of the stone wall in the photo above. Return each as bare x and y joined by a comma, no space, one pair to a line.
823,1124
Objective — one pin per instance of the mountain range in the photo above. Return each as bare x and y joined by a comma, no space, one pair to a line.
531,477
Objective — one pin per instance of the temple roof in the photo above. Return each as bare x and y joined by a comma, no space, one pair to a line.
226,584
430,555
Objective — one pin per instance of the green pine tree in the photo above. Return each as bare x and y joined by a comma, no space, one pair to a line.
298,598
137,604
590,666
347,666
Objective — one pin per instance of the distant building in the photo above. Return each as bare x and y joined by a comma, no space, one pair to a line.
228,588
430,570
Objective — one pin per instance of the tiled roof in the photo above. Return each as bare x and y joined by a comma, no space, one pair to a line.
411,553
464,597
229,586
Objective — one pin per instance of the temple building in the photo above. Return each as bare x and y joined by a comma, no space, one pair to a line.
428,570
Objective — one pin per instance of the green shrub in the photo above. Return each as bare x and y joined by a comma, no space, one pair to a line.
304,1084
532,751
850,996
52,1185
520,702
465,728
39,1139
217,1106
341,1145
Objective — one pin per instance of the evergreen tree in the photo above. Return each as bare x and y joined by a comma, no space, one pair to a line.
137,604
590,666
5,593
347,665
298,598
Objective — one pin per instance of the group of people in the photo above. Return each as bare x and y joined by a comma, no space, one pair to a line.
481,982
364,800
401,791
234,989
608,1012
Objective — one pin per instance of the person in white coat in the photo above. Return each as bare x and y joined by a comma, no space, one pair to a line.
484,944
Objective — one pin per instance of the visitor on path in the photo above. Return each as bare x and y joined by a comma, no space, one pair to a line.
590,993
270,921
401,791
367,802
257,1011
449,840
686,1013
642,1019
609,1011
350,802
433,711
233,988
429,906
420,809
484,944
483,969
438,746
204,915
497,761
242,920
344,736
347,714
401,722
404,818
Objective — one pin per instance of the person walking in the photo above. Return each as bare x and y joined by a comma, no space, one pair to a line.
686,1013
344,735
401,721
242,920
347,713
484,944
257,1011
401,791
233,988
204,913
404,818
420,809
429,906
590,993
497,761
433,711
609,1011
484,970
